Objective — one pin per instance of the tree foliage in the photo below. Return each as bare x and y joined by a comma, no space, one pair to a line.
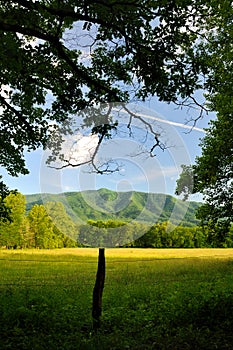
59,57
212,172
212,176
11,231
61,219
47,232
51,227
159,235
37,229
4,211
166,235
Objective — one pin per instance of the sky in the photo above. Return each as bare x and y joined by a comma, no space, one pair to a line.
138,171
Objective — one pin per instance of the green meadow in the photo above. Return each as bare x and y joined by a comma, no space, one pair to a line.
153,299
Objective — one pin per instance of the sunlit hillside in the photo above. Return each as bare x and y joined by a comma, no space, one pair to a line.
104,204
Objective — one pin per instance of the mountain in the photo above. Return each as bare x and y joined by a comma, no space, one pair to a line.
104,204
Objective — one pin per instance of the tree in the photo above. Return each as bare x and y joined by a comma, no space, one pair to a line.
99,51
46,229
42,228
62,220
12,231
4,211
185,183
212,173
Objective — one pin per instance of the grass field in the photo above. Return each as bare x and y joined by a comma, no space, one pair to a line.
153,299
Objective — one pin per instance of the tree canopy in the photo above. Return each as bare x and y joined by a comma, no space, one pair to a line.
212,172
212,175
59,57
39,228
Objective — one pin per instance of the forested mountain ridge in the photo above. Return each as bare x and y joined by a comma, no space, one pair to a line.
104,204
104,218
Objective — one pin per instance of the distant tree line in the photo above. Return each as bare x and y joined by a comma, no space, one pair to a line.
49,226
159,235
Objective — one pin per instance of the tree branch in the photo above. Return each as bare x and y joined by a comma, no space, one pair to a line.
22,119
61,51
156,135
195,103
103,133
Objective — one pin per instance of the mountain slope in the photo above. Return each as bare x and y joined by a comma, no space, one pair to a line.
104,204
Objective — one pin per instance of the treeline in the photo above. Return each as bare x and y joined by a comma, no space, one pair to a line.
49,226
42,227
160,235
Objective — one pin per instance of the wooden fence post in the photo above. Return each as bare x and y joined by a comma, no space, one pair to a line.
98,290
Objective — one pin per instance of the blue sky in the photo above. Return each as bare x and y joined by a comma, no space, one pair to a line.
141,173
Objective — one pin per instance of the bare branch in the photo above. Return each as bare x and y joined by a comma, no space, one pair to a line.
195,105
103,132
156,135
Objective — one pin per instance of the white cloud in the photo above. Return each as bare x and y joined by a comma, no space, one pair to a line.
78,148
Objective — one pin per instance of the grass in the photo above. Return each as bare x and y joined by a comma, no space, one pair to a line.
153,299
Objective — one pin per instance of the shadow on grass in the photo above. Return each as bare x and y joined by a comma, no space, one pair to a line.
206,326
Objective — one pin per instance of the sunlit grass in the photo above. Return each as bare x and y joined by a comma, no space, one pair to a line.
153,299
119,253
168,253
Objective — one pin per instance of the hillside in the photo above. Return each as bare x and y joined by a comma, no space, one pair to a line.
104,204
